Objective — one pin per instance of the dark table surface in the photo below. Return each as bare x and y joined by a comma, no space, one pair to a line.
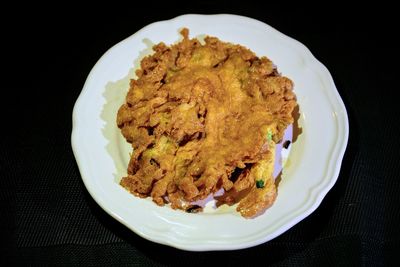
48,217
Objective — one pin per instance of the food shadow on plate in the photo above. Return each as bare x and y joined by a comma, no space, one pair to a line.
114,95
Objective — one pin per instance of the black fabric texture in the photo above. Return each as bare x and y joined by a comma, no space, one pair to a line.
47,216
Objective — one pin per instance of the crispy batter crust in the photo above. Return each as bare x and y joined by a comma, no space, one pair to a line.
197,113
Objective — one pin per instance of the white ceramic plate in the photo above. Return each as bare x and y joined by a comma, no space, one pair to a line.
312,169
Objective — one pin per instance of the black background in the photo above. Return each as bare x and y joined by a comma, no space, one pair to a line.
47,216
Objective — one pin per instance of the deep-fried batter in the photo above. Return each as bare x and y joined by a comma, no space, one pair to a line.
196,114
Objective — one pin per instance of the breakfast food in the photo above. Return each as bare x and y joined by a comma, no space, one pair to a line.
205,117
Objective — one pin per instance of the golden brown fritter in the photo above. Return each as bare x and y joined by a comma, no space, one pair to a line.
196,114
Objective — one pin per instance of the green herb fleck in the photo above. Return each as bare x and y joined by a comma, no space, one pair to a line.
269,135
260,183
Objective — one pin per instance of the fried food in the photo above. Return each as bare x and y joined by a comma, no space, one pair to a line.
201,117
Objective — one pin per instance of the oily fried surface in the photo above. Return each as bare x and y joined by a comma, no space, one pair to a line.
196,114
